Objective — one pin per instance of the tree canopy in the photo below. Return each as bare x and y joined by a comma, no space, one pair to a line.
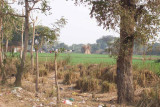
145,12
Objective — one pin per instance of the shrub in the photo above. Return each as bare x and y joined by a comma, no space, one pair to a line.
149,98
61,74
108,87
108,74
43,71
87,84
50,66
145,78
70,77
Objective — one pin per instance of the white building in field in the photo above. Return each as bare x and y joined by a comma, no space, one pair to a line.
68,51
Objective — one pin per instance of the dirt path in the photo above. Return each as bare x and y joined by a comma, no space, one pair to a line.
2,104
83,99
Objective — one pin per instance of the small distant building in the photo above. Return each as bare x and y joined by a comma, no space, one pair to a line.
14,47
68,51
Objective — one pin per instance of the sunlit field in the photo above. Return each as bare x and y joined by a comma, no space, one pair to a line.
75,58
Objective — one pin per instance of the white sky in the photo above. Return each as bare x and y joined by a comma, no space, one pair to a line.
80,27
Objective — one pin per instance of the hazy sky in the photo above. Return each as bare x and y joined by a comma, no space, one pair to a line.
80,27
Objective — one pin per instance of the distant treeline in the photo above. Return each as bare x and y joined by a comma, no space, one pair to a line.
104,45
109,45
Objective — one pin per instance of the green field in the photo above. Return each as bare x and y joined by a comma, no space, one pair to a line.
76,58
79,58
98,58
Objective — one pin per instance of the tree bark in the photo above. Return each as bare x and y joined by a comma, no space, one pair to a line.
21,69
2,46
37,73
1,25
56,81
4,79
32,57
124,61
124,71
22,37
144,53
2,57
7,45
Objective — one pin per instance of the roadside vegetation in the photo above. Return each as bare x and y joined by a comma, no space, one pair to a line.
97,79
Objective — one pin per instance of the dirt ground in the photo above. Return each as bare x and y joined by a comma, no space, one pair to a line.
25,97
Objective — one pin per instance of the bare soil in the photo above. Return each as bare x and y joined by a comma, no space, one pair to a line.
11,96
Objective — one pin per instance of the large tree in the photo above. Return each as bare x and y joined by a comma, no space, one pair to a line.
135,19
6,27
29,6
103,42
49,35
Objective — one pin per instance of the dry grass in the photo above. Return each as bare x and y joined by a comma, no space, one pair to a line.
71,77
108,87
42,71
88,84
50,92
145,78
60,75
104,78
149,98
108,74
88,78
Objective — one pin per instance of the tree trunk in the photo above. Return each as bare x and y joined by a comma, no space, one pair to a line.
124,70
1,22
124,61
7,45
21,69
37,73
1,46
4,79
144,53
56,81
2,52
22,37
32,57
